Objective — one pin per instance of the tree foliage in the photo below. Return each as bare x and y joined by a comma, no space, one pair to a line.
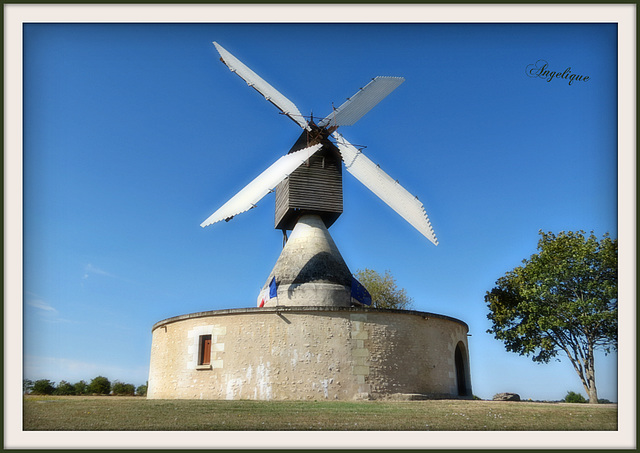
142,389
27,386
383,289
80,388
574,397
562,299
122,389
64,388
43,387
99,385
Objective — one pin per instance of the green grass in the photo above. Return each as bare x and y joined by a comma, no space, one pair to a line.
138,414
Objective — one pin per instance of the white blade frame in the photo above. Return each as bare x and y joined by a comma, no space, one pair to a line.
260,85
265,183
360,103
385,187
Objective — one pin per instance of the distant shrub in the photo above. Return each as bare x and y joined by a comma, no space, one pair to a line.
64,388
604,401
573,397
120,388
142,390
43,387
476,397
99,385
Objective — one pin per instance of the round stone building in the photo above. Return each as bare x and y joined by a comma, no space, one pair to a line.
310,341
301,353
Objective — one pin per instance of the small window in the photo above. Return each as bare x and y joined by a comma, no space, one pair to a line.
204,356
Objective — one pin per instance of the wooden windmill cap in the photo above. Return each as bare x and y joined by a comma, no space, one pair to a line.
315,187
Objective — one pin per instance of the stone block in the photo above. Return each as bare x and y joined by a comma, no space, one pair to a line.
359,335
360,352
356,317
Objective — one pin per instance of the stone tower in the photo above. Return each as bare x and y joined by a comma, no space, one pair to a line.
310,270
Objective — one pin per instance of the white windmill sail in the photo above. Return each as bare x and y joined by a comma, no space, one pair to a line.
360,103
254,80
265,183
385,187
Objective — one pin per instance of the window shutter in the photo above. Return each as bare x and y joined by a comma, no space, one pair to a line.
205,350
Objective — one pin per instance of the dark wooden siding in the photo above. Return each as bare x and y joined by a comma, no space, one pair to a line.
314,187
282,200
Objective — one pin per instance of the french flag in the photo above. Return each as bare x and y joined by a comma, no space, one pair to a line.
267,293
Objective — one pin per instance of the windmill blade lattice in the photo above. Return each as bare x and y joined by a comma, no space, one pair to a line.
265,183
385,187
260,85
360,103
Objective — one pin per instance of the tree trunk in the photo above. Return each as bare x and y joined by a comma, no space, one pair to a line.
585,369
593,394
590,373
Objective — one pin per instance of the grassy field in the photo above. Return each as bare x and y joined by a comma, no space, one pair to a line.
139,414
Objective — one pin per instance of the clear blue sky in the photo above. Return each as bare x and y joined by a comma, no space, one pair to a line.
134,134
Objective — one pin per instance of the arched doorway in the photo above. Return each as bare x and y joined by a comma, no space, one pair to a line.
461,370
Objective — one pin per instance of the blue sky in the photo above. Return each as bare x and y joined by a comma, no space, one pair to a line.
135,133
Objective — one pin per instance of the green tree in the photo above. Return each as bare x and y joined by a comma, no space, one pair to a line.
99,385
120,388
43,387
64,388
383,289
573,397
142,390
80,388
563,299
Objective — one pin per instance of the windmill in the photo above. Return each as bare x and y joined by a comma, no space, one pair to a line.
308,186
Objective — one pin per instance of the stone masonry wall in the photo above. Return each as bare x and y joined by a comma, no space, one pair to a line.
306,353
